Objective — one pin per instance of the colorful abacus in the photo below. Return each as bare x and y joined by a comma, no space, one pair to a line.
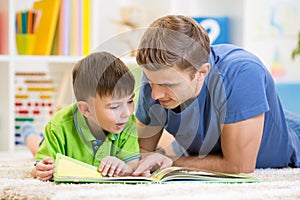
34,100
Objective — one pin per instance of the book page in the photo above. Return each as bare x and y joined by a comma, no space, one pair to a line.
183,174
72,170
68,167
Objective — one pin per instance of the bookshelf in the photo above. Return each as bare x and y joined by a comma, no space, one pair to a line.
54,66
108,32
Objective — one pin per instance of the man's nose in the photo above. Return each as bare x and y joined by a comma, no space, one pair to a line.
157,91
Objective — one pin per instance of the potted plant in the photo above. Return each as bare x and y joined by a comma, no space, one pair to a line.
296,51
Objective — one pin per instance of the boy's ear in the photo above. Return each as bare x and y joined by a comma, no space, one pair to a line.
84,108
203,71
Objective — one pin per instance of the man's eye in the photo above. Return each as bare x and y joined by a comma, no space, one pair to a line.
162,85
114,107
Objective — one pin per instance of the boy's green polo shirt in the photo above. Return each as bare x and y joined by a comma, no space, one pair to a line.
68,133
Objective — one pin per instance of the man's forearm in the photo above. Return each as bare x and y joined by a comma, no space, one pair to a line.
209,162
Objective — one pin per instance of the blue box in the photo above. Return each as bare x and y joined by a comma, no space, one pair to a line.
216,27
289,94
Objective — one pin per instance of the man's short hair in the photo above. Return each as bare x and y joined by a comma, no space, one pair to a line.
173,40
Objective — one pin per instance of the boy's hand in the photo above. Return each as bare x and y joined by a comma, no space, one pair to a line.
44,169
113,166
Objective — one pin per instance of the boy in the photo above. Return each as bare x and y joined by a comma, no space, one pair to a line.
99,129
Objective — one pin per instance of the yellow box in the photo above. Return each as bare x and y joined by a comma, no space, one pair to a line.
25,43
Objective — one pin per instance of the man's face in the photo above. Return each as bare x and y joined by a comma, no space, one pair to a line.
172,86
113,114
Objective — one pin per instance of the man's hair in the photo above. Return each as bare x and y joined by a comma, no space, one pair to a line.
104,74
173,40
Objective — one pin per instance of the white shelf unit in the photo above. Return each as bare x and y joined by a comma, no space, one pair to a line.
107,33
6,114
11,62
6,106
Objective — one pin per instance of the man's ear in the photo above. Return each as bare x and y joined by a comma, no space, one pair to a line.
202,71
84,108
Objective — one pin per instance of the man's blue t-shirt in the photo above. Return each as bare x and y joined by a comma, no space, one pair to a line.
237,88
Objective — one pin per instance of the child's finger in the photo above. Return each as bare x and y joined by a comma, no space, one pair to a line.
45,167
112,170
105,168
114,166
44,178
45,175
48,160
100,169
103,163
118,170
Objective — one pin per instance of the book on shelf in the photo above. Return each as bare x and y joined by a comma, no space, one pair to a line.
71,170
86,27
73,28
63,28
47,26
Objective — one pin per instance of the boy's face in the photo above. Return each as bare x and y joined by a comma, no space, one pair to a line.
172,86
113,114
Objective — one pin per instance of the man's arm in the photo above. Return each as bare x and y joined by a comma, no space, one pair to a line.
148,140
240,144
148,136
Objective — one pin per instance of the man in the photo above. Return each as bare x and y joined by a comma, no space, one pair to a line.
219,102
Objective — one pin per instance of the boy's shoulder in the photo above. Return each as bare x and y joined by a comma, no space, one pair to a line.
65,113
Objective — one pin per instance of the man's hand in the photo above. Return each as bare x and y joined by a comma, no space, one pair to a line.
113,166
44,169
150,162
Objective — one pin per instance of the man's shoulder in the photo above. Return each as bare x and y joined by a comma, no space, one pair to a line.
229,60
229,53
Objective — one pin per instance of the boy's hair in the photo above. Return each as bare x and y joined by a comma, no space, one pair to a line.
173,40
104,74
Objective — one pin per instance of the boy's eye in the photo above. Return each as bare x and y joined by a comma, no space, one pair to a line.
130,101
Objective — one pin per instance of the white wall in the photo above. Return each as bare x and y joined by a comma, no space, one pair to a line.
232,8
271,31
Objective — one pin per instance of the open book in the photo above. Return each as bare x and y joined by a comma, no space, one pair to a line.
71,170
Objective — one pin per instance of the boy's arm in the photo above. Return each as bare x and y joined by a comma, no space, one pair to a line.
240,143
54,141
46,153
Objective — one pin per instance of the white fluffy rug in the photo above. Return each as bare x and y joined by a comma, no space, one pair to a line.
16,183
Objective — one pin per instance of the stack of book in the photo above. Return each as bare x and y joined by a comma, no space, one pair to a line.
54,27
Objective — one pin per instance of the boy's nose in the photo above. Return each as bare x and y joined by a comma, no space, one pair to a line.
126,112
